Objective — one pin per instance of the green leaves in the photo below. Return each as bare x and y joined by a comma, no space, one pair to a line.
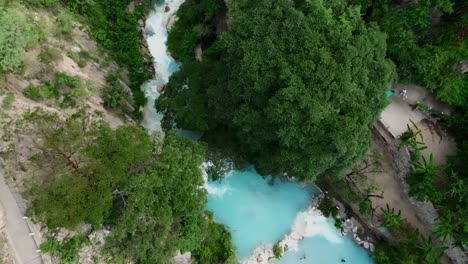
164,207
81,160
391,220
15,36
299,89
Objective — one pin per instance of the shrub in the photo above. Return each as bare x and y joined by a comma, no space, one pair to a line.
338,224
216,247
15,36
277,250
77,58
49,55
63,79
113,93
391,220
69,99
88,56
82,57
65,25
326,206
67,250
43,91
8,100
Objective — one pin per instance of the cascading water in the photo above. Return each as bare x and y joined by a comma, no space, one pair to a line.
258,211
164,64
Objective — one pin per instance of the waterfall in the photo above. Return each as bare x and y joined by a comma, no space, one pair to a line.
156,37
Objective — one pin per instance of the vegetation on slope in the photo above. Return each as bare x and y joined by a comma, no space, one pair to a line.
113,26
296,86
148,192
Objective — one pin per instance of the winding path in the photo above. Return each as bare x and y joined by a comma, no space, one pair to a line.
21,243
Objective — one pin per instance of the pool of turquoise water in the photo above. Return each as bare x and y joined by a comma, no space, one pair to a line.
260,211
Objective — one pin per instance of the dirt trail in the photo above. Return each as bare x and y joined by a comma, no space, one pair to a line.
388,181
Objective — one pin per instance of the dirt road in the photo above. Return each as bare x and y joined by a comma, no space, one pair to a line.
20,243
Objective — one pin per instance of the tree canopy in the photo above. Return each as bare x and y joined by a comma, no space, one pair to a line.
80,161
164,206
298,85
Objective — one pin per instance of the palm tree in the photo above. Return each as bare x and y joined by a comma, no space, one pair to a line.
444,229
409,138
426,167
430,254
391,220
421,179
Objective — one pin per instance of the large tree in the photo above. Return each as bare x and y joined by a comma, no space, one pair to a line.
298,83
78,163
163,208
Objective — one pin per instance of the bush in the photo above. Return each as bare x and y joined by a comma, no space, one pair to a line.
64,24
338,224
15,36
63,79
216,247
69,99
82,57
7,101
49,55
78,59
88,56
43,91
277,250
326,206
67,250
114,95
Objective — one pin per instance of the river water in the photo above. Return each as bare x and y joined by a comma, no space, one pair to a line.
258,211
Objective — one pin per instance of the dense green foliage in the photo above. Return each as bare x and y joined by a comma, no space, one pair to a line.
297,88
406,245
62,79
404,253
196,25
113,93
171,222
85,161
426,40
216,247
15,36
455,189
146,191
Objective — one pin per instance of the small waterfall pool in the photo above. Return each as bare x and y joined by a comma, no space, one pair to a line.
261,211
258,211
